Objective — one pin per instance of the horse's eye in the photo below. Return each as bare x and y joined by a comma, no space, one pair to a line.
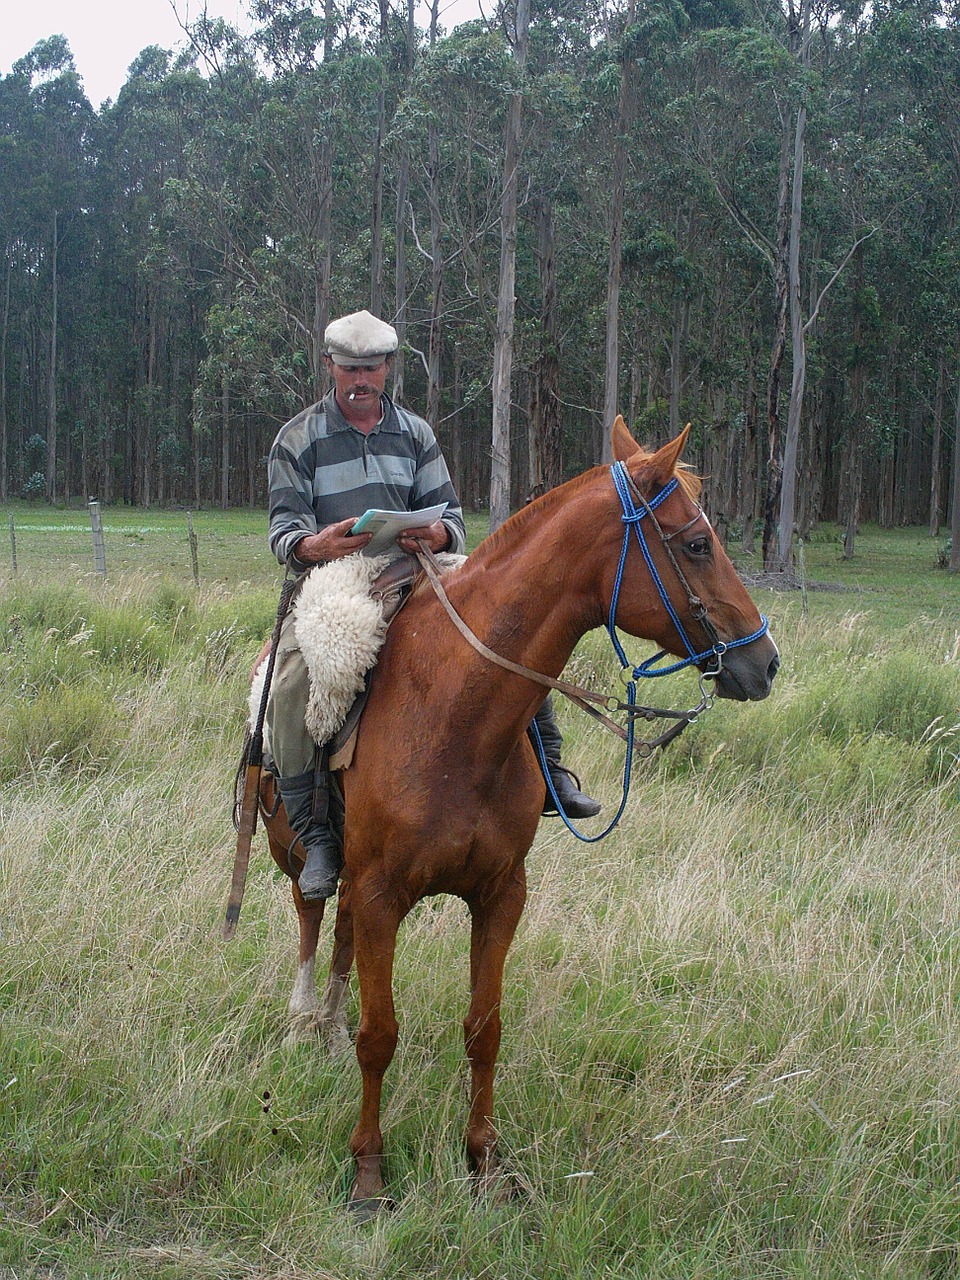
699,547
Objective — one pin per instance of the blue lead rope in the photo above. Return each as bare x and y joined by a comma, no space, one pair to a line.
627,774
647,669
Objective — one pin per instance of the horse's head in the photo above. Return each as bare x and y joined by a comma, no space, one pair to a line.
701,608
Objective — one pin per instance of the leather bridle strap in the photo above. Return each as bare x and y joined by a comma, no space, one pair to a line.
586,699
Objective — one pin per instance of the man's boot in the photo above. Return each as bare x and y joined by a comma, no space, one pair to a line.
573,802
305,800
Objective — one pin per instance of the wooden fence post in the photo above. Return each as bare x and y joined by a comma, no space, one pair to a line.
13,546
194,558
99,554
802,575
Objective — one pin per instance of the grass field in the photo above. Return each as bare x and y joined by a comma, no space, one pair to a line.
732,1030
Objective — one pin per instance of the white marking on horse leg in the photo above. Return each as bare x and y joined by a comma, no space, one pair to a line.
332,1013
303,997
303,1003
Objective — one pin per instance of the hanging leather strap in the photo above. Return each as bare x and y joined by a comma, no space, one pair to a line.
587,699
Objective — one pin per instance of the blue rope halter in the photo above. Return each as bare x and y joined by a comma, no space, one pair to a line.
632,518
647,670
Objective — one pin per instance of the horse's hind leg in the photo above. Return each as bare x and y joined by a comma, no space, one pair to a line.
303,1007
333,1018
306,1013
494,922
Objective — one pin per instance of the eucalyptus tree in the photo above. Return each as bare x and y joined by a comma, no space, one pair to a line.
457,111
736,123
918,46
870,190
15,156
214,212
140,424
554,267
288,149
52,142
500,468
618,181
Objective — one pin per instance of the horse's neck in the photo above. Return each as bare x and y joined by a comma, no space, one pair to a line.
530,592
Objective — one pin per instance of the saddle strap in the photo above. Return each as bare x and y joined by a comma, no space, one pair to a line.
586,699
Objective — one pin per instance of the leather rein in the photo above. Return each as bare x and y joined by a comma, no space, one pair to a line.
596,704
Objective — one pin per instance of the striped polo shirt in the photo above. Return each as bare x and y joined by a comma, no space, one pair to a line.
322,470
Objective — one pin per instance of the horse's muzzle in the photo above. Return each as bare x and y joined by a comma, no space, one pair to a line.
748,673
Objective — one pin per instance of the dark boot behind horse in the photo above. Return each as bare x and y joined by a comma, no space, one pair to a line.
465,791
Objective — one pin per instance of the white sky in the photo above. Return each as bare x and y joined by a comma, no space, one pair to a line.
106,35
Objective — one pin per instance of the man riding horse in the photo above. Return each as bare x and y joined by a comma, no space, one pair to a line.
354,450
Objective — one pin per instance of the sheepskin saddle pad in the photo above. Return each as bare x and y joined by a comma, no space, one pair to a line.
340,625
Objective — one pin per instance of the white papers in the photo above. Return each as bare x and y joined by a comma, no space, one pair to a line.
386,525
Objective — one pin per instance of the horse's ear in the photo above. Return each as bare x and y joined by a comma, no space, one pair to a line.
659,467
624,445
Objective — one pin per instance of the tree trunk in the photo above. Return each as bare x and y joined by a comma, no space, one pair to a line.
506,302
435,336
4,427
545,444
225,442
618,183
681,318
935,449
52,373
778,347
798,336
148,455
954,565
400,233
851,485
400,275
321,294
748,464
376,220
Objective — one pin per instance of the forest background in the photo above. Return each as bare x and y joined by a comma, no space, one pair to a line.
739,212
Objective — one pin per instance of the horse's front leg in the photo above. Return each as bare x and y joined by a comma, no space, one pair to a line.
375,923
494,922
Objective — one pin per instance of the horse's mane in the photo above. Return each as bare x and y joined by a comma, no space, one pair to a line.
688,480
686,477
516,523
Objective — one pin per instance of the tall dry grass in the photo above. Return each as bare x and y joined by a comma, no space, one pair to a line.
732,1044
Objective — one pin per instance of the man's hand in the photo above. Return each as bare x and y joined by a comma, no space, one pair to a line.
436,536
331,543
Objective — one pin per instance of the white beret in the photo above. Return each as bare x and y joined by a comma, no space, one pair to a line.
359,338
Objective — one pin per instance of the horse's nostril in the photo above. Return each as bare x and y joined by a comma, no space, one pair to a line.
774,666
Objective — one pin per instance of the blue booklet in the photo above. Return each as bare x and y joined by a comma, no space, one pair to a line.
387,525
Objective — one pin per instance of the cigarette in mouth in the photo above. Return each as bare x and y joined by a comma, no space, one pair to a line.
352,395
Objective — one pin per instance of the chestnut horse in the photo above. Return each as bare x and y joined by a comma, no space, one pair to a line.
454,806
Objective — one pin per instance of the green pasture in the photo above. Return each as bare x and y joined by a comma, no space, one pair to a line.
232,552
731,1030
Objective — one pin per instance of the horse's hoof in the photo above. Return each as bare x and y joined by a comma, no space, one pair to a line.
367,1208
301,1026
335,1039
497,1187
